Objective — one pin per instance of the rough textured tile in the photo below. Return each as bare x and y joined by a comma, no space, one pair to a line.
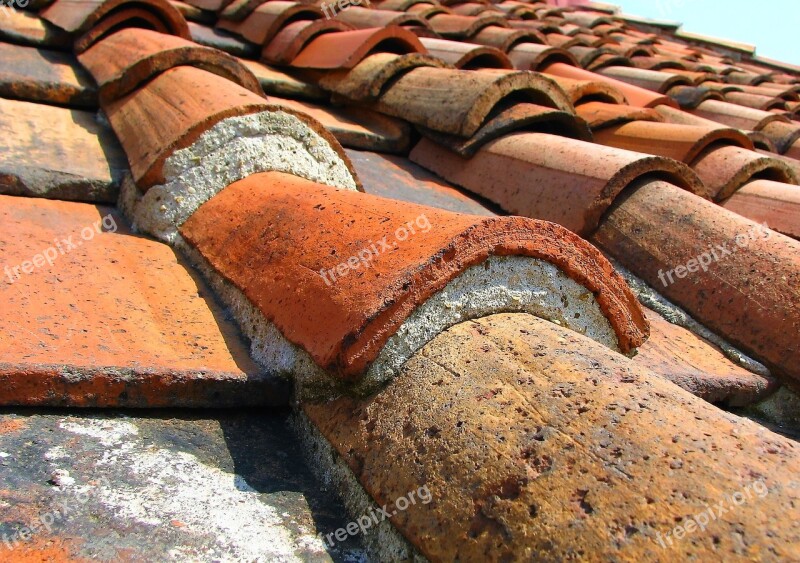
57,153
52,77
25,28
697,366
557,179
764,201
225,486
111,319
324,230
537,444
126,59
748,289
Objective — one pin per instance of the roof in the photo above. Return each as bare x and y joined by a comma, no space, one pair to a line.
526,276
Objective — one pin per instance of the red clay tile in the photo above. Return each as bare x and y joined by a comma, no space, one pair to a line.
403,5
586,55
466,55
89,20
125,60
506,39
285,83
793,151
292,38
52,77
784,135
355,127
681,142
636,96
756,101
238,10
269,18
396,177
734,115
518,428
458,101
333,51
588,19
368,78
600,114
764,201
98,317
365,18
57,153
589,90
471,8
657,62
208,5
25,28
569,182
519,117
699,367
362,311
652,80
451,26
689,97
746,78
183,101
222,40
530,56
749,291
724,169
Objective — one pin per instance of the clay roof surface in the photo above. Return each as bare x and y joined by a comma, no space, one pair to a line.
488,280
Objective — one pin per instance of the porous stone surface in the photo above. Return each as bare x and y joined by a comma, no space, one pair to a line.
537,443
233,149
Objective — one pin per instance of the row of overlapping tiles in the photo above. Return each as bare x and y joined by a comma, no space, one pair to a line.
522,140
475,121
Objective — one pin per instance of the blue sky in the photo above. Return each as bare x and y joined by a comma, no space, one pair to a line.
773,26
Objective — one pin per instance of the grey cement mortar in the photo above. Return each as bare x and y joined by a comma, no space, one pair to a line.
677,316
231,150
384,541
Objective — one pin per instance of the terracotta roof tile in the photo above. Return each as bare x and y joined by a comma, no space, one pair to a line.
89,20
529,56
466,55
40,75
453,26
504,437
57,153
111,319
134,116
359,312
268,19
681,142
356,127
696,365
284,82
635,95
580,91
368,78
768,202
125,60
724,169
783,134
238,10
458,101
24,28
365,18
222,40
735,116
601,114
519,117
292,38
753,279
506,39
569,182
348,48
